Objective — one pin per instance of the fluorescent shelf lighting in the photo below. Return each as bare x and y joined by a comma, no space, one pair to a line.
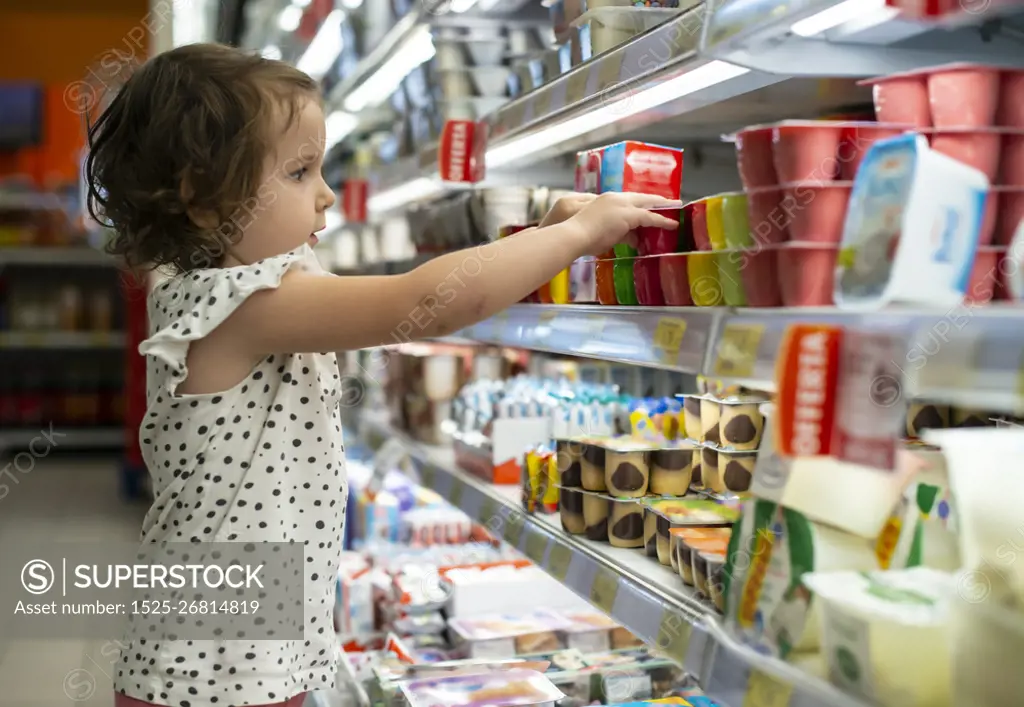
272,52
835,16
376,89
352,4
339,125
710,74
290,18
403,194
325,48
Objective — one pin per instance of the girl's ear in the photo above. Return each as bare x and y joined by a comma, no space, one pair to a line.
204,218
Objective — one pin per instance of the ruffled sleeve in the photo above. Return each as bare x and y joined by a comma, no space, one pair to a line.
190,306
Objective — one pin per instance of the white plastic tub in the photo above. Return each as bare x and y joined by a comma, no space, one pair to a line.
986,473
886,635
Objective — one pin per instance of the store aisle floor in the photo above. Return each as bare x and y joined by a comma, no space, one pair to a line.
62,499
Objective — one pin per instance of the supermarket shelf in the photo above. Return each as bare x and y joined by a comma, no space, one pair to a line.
61,340
623,334
642,595
964,355
55,256
55,437
854,38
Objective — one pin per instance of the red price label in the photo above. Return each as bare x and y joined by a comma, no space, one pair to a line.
461,151
353,202
807,373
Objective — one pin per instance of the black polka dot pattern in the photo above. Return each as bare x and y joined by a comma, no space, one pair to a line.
226,467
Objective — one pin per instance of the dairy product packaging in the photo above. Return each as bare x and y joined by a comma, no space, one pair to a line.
912,227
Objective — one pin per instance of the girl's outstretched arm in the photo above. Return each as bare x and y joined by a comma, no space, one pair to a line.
310,313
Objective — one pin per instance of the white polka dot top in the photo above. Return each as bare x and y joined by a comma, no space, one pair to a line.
262,461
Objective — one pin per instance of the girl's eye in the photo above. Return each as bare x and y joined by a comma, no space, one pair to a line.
298,174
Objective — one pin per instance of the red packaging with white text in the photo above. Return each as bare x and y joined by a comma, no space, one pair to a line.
807,374
641,167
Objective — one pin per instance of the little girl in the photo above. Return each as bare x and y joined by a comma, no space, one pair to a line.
208,163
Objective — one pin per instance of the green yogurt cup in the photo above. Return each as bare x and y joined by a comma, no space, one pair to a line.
735,220
625,288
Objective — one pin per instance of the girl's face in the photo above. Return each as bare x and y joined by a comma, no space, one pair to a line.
292,197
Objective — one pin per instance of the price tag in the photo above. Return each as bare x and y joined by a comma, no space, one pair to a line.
576,85
428,476
558,561
604,589
514,524
457,488
737,350
674,635
763,690
536,546
668,339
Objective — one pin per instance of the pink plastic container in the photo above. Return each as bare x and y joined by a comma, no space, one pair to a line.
984,275
1011,213
816,211
759,270
805,151
902,99
855,144
976,148
963,96
754,157
806,273
768,222
647,281
697,213
675,282
1011,103
1012,158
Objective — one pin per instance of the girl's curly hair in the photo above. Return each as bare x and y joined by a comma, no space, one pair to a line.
187,134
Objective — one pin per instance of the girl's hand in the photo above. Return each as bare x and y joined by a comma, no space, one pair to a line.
612,218
566,207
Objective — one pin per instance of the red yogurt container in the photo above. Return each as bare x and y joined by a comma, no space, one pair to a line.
647,282
754,157
696,212
806,150
1011,103
963,95
902,99
976,148
656,241
806,272
1009,216
1012,159
758,269
817,211
675,280
856,142
766,216
984,275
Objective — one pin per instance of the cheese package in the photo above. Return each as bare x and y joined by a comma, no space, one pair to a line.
510,688
767,605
